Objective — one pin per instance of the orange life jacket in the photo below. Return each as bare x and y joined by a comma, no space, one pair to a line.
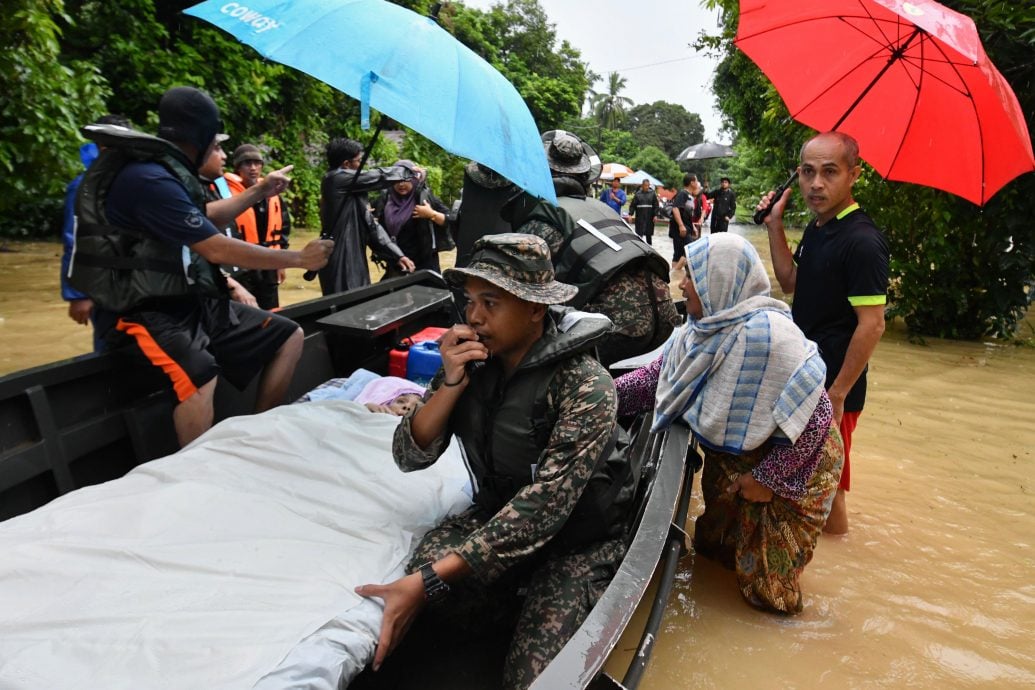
247,225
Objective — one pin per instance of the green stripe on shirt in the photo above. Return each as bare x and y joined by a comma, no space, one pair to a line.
844,212
868,300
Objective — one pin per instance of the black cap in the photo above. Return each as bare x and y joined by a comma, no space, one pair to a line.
189,116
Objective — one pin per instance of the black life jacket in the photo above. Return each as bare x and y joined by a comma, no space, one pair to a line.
121,268
505,426
583,259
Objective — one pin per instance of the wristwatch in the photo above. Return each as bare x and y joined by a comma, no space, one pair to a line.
434,588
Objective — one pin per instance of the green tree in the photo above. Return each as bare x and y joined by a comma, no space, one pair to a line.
516,38
653,160
617,146
958,271
145,46
120,57
587,128
668,126
608,107
47,97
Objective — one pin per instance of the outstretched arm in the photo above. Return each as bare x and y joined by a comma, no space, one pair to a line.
226,251
224,211
636,389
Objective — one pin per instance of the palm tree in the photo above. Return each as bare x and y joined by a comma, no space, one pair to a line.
608,107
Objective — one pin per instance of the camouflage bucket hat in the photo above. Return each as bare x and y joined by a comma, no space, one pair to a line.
568,154
520,264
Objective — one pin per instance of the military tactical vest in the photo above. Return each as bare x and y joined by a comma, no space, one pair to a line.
120,268
505,426
584,259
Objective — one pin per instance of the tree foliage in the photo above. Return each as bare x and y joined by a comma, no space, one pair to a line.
608,107
60,74
653,160
668,126
958,271
45,101
516,38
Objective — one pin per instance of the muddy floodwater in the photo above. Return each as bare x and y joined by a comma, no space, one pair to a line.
933,587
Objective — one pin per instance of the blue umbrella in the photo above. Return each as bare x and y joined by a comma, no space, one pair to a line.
404,65
637,178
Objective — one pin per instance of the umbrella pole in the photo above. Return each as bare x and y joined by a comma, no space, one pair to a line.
896,55
367,149
761,214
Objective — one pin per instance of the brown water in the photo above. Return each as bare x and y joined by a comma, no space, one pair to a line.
34,324
934,586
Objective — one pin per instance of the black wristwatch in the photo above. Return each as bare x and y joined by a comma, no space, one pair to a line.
434,588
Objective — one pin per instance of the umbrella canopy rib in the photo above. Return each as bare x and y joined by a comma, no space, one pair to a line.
404,65
895,56
910,82
919,82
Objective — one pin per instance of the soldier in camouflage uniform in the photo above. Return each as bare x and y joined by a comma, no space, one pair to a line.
537,421
636,299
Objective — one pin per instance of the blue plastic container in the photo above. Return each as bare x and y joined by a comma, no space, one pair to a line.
423,362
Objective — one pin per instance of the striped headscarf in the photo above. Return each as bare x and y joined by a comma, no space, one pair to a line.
742,373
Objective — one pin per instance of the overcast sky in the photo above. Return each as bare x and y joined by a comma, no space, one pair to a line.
647,42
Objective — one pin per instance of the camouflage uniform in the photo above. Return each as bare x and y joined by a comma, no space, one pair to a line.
513,547
626,300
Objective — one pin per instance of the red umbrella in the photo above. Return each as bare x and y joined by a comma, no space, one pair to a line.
910,81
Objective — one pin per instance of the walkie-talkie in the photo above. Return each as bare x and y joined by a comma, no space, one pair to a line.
475,364
760,215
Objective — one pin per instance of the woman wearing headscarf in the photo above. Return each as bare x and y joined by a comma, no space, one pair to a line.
409,213
749,385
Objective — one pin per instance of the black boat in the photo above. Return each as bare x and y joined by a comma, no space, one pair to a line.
93,418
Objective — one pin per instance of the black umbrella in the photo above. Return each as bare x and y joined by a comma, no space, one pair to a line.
705,150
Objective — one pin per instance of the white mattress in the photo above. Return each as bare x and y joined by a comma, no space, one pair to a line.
230,564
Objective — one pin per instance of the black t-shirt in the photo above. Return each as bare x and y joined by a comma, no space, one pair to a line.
682,203
147,196
841,264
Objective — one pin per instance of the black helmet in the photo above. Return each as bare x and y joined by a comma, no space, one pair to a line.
190,116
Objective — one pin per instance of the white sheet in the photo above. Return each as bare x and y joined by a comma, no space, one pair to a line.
208,567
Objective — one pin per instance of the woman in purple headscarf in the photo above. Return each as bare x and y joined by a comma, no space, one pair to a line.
410,212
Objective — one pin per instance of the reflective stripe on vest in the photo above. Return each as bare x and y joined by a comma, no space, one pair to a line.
586,261
222,187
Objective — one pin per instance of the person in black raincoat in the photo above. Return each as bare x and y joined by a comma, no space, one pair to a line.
645,207
484,194
345,217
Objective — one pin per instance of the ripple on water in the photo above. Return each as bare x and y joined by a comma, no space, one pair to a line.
969,664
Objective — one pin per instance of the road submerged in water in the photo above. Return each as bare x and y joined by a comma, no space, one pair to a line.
933,586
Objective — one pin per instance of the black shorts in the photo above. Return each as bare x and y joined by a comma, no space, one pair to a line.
192,346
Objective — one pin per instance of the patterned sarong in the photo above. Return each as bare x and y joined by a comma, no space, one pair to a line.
767,544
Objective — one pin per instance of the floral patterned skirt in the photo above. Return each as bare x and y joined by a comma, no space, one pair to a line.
767,544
